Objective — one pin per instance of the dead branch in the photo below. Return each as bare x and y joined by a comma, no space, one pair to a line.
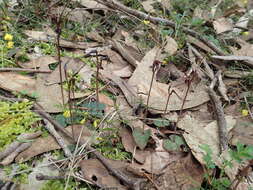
157,20
13,146
58,138
9,159
38,109
221,121
41,176
248,60
134,183
24,70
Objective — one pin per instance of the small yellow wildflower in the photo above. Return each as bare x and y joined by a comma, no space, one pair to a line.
7,18
146,22
245,112
66,114
245,33
83,121
8,37
95,123
165,62
10,44
99,138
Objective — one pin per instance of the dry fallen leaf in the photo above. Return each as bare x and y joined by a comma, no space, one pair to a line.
198,133
95,172
46,144
183,174
222,25
147,5
171,46
140,82
37,62
15,82
91,4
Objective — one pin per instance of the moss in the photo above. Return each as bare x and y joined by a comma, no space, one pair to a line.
15,119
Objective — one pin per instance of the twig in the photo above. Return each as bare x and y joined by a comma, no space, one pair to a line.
133,183
248,59
221,121
13,146
41,176
157,20
13,155
58,138
24,70
38,109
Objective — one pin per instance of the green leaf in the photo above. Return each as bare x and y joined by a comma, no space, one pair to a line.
169,145
161,122
95,108
141,137
61,120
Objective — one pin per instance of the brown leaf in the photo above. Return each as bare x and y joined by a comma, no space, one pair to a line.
147,5
222,25
37,62
171,46
141,79
46,144
17,83
118,65
183,174
95,172
130,145
198,133
242,133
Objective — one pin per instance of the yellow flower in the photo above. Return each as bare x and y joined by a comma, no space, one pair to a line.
66,114
83,121
99,138
7,18
10,44
245,33
8,37
146,22
245,112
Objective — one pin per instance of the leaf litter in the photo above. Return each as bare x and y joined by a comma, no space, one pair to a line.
160,108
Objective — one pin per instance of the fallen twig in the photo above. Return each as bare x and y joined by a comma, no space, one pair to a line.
221,121
58,138
134,183
118,6
38,109
9,159
248,59
13,146
24,70
41,176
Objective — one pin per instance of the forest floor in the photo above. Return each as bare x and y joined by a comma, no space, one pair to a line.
126,94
